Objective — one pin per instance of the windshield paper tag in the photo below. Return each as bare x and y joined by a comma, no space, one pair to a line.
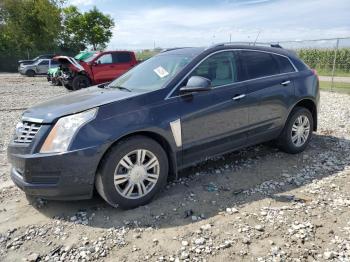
161,72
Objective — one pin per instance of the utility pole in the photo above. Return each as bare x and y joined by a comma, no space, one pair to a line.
334,61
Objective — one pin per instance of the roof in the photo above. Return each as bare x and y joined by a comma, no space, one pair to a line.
223,46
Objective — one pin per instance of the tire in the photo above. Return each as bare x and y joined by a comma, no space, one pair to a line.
111,163
30,73
80,81
68,87
286,141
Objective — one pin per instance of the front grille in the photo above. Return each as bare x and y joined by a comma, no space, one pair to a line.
26,132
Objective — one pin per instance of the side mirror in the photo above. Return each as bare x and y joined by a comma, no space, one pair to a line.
196,84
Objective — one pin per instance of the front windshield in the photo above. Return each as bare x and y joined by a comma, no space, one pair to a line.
153,73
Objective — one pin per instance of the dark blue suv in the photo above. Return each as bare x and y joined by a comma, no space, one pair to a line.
185,105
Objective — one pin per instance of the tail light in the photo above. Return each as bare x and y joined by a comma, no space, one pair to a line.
314,71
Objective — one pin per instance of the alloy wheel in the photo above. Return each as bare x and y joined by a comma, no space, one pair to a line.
136,174
300,130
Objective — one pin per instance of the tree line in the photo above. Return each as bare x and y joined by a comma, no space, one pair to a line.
31,27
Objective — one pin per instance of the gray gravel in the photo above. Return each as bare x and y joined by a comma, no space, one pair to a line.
258,204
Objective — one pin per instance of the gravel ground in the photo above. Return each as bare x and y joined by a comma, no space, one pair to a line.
258,204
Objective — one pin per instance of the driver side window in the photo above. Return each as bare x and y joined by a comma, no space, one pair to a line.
220,69
105,59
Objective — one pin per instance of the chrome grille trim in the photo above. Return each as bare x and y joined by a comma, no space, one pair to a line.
27,133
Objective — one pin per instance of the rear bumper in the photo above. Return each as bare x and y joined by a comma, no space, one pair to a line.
67,176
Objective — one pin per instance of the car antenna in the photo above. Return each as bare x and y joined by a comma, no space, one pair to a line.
256,39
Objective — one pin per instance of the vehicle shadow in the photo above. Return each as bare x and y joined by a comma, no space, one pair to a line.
208,188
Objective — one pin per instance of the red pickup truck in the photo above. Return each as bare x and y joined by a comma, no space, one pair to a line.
99,68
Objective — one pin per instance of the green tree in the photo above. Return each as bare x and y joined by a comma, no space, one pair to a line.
72,34
97,28
30,24
91,28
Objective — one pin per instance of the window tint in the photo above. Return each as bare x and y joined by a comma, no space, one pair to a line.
105,59
284,64
121,57
258,64
220,68
54,62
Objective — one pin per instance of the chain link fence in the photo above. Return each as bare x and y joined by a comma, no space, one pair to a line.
330,58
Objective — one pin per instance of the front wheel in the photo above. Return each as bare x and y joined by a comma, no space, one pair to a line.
30,73
80,81
132,172
297,132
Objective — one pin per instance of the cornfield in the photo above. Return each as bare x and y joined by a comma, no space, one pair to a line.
322,59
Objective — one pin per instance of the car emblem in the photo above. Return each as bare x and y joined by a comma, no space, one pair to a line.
19,129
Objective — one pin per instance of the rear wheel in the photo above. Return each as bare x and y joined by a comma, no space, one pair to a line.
297,131
80,81
132,172
30,73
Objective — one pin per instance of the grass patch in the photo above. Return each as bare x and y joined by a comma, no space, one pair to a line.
322,72
338,86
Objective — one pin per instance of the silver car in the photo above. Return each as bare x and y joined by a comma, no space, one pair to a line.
39,67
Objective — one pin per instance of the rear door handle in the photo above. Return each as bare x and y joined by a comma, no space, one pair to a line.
238,97
285,83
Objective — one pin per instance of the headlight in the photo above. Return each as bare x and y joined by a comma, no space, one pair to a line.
64,130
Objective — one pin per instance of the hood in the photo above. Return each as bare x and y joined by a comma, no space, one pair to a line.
27,62
69,60
76,102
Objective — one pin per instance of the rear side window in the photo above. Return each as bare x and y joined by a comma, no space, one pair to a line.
284,64
220,68
121,57
258,64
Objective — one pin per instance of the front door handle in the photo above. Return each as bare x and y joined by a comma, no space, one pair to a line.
285,83
238,97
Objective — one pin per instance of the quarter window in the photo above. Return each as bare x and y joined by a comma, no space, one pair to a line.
220,68
258,64
284,64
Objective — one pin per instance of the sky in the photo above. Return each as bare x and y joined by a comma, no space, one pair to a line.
144,24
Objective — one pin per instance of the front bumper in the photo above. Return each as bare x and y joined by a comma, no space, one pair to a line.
65,176
22,71
65,79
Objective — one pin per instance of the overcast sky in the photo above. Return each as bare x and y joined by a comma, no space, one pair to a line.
140,23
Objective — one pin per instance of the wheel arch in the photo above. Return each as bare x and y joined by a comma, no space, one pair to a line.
309,104
160,139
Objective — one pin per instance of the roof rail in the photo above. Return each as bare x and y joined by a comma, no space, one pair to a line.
171,49
276,45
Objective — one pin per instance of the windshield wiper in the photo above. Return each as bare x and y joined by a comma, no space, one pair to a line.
121,88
